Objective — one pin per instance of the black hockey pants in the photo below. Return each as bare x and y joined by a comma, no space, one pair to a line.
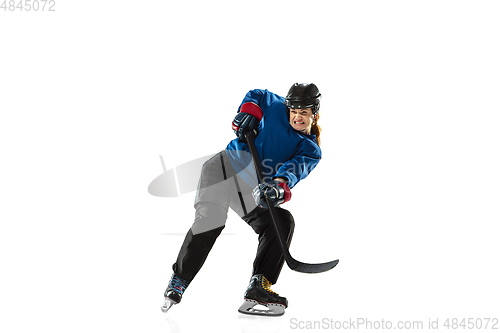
219,189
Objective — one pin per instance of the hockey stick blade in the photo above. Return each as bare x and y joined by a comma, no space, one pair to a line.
291,262
310,268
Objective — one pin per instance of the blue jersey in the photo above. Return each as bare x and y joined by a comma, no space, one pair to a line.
284,152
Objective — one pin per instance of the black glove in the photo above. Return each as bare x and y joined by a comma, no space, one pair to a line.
245,122
277,193
247,119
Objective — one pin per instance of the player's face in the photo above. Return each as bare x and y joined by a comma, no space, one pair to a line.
302,119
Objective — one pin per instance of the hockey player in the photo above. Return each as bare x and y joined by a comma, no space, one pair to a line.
288,144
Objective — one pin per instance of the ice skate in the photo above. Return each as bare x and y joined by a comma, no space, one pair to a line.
259,294
174,292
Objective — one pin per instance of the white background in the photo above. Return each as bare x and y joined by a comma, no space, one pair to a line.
406,196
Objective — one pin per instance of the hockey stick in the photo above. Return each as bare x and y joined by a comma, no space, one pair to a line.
292,263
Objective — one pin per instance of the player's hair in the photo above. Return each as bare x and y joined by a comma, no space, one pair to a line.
316,129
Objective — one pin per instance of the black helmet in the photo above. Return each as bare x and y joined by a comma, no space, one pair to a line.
302,96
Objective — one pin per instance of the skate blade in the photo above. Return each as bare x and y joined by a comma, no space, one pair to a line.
273,309
167,305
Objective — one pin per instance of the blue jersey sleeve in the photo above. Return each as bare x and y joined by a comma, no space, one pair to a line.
262,98
299,167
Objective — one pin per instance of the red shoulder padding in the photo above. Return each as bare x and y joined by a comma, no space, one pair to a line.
288,192
253,109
